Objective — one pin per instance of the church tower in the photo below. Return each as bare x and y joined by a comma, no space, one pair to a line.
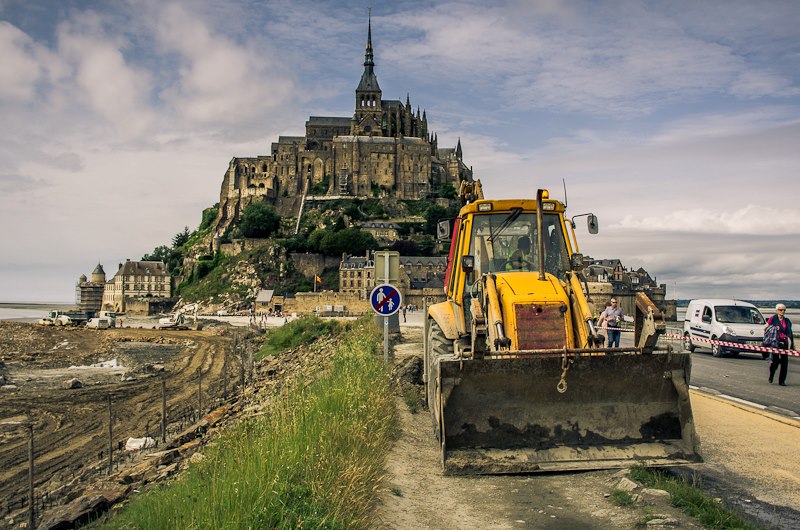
367,119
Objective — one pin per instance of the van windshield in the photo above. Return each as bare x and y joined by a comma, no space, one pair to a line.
735,314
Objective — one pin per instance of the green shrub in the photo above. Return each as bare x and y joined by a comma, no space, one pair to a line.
298,332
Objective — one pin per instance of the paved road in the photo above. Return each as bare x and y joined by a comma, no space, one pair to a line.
744,377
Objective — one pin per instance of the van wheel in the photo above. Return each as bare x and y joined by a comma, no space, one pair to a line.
716,349
687,342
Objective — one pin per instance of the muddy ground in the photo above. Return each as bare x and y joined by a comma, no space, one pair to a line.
71,425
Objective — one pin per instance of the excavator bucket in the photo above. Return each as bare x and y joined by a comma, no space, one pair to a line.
507,415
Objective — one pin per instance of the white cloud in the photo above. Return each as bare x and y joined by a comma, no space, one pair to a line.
219,81
751,219
103,80
20,68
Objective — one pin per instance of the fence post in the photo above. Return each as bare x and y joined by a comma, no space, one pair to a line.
31,504
163,409
199,393
110,438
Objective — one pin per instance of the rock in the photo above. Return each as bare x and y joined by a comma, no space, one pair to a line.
83,508
72,384
652,494
9,388
626,484
661,523
163,458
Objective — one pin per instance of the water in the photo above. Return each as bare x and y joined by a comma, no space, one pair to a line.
22,312
21,315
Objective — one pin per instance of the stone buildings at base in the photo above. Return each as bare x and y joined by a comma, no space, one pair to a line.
142,287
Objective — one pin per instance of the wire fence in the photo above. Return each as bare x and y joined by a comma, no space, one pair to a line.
179,411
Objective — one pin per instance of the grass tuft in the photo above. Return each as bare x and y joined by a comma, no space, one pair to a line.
690,499
621,497
412,399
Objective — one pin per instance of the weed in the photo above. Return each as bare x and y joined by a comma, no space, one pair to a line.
396,491
411,397
621,498
689,498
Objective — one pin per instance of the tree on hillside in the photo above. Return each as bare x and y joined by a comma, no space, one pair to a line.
259,220
351,241
181,238
433,215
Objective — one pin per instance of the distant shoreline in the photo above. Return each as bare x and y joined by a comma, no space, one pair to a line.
36,305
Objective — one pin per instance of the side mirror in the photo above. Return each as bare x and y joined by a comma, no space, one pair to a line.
576,261
468,263
592,223
443,230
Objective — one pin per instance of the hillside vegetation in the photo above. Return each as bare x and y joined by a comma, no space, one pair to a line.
329,228
313,459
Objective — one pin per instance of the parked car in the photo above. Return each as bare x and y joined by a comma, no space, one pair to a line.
724,320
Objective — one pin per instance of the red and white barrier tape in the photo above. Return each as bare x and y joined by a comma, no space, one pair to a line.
737,345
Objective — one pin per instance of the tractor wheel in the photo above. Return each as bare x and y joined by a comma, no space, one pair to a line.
438,346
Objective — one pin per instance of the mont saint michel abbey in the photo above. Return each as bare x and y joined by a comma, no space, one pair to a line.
385,147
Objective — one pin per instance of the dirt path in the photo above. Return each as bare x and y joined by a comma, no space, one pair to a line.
417,495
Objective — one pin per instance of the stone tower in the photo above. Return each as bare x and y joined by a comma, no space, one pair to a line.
367,117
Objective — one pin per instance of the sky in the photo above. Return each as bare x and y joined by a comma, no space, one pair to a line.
677,123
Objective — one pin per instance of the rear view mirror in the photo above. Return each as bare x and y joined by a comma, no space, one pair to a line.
592,223
443,230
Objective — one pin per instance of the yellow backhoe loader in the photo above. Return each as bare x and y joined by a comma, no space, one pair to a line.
517,378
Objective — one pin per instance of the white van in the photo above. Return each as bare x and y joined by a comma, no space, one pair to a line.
723,320
111,316
98,323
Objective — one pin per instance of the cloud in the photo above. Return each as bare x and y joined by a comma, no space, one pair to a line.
617,60
218,81
751,219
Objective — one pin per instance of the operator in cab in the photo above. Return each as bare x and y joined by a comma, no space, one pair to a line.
519,259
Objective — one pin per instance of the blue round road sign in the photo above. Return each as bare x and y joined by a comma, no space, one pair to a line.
385,299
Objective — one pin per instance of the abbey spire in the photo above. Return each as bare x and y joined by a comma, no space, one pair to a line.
368,93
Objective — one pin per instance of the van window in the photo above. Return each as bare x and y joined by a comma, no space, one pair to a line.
706,314
732,314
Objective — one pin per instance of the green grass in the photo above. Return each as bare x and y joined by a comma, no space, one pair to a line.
690,499
314,461
412,399
621,498
304,330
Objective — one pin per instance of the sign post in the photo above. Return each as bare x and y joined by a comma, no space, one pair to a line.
385,300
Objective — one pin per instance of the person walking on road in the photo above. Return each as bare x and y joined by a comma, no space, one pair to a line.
786,339
612,316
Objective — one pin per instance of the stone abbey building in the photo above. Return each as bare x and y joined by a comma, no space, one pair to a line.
385,148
